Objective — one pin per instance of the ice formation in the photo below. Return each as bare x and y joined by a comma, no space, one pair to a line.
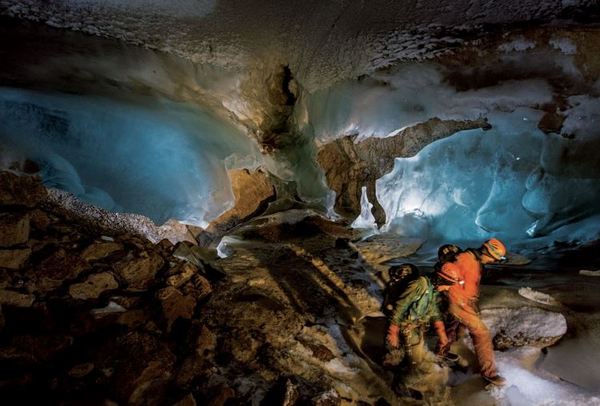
512,181
155,157
366,220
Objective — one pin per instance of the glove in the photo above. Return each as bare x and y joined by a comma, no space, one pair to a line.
444,343
392,336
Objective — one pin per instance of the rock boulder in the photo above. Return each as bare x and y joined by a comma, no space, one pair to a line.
20,190
14,229
139,273
14,259
524,326
93,286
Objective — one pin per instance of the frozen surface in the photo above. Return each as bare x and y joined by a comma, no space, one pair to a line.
387,102
509,181
527,385
158,158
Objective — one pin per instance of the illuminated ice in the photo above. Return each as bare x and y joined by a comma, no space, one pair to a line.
512,181
365,220
155,157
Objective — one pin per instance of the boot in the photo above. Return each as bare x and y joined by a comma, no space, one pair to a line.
495,380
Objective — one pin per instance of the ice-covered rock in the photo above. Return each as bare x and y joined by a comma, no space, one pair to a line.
523,326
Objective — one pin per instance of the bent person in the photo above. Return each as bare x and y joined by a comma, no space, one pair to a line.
464,275
413,313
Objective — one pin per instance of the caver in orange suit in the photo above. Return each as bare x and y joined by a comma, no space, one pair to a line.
463,295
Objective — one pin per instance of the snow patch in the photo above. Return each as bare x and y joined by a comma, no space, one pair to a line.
564,45
527,385
536,296
518,45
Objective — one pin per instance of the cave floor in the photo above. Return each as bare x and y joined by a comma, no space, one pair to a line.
313,275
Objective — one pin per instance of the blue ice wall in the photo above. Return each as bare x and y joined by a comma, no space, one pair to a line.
155,157
513,181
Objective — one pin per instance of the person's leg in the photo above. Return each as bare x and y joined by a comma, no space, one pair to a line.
416,345
482,341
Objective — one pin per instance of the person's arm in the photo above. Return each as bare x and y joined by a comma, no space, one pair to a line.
414,290
443,343
438,325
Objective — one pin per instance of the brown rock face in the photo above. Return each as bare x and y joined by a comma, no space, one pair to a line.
9,297
181,274
14,259
14,229
349,166
551,123
198,287
39,219
20,190
252,191
143,378
187,401
60,266
93,286
175,305
99,250
139,273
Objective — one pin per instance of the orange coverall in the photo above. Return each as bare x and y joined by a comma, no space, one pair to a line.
463,297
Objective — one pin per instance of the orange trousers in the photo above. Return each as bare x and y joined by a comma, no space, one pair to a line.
482,341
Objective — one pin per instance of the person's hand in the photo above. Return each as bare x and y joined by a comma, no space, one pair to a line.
443,288
443,342
392,336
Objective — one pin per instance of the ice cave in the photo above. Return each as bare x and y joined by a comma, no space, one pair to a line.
217,202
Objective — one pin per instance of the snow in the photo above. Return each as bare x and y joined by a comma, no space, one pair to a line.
518,45
565,45
536,296
179,8
323,41
531,322
527,385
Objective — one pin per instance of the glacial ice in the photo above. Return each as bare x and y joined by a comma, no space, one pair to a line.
155,157
512,181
